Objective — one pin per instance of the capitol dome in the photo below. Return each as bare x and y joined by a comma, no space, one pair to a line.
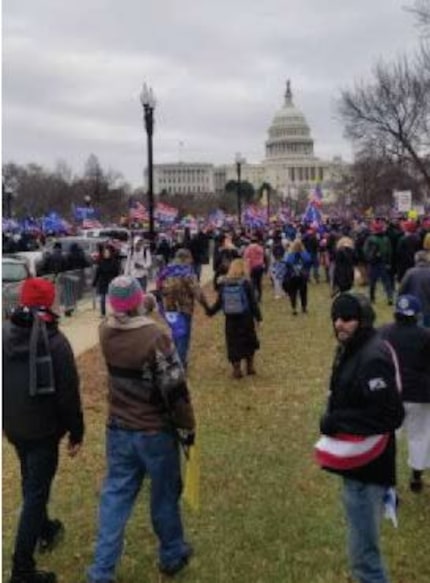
289,133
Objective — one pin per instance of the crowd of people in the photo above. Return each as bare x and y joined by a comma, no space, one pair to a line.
380,379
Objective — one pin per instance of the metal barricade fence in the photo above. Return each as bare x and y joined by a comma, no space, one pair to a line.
71,287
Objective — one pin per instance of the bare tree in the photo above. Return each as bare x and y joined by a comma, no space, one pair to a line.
391,114
421,9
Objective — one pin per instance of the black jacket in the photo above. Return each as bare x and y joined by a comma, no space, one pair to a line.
28,417
412,345
107,269
364,400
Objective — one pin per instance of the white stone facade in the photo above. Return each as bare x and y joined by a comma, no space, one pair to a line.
289,165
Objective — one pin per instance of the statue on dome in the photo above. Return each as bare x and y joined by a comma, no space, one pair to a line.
288,94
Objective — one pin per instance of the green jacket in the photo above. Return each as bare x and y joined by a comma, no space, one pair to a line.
377,249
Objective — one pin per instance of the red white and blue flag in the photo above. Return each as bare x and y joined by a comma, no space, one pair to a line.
165,213
137,211
91,224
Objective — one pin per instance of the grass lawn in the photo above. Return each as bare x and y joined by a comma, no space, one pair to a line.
268,514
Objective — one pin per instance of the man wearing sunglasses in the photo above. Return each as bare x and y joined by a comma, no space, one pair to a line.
364,402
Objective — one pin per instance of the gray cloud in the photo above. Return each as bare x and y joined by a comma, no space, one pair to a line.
72,73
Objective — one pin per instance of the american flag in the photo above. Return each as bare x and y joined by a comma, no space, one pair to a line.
91,224
137,211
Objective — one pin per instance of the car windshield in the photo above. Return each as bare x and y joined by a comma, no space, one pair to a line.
13,272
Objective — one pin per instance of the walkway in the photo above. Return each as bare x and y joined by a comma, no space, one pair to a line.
81,329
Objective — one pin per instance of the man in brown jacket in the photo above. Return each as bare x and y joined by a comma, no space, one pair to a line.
149,412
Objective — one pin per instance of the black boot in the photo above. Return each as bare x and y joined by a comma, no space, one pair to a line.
33,577
416,484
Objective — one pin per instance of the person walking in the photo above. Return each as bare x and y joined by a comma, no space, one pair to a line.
41,405
149,412
108,267
139,262
377,251
255,263
178,289
412,345
364,405
237,300
297,267
344,262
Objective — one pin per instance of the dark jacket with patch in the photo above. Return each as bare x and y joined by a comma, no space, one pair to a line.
412,345
364,400
37,417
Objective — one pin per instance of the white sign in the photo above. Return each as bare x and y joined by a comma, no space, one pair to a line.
403,200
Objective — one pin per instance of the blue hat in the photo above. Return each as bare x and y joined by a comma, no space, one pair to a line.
407,305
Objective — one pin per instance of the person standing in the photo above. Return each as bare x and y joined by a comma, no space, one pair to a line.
237,300
149,411
41,404
412,345
364,402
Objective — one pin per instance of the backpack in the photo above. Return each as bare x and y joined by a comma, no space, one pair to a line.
234,299
298,266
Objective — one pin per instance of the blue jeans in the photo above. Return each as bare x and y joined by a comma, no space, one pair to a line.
182,342
130,456
39,460
364,507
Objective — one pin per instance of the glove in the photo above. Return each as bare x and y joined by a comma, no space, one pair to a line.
327,425
186,437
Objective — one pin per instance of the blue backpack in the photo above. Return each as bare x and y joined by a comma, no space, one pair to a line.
234,299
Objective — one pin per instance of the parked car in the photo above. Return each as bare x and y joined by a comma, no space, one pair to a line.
14,272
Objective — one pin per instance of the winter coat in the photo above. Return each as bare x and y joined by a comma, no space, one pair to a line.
240,334
107,269
416,282
343,276
407,246
412,346
147,386
39,416
364,400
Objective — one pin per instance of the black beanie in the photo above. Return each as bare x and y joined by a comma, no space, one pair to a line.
352,306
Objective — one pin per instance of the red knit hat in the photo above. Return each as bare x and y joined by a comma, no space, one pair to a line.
377,227
37,292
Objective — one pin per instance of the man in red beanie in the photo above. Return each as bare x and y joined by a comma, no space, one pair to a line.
41,404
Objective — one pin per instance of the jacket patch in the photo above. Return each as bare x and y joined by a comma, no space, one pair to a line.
377,384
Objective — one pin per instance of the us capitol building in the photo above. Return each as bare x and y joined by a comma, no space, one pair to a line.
290,165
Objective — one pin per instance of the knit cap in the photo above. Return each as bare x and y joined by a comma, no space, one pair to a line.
125,294
37,292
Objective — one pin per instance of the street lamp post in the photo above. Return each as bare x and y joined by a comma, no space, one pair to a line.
148,103
239,161
7,198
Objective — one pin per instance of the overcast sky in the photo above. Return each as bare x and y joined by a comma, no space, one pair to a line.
73,71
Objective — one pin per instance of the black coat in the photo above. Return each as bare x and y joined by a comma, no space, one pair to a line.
28,417
364,400
106,271
240,334
343,277
412,345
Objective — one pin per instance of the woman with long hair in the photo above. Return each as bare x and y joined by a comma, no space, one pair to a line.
236,299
